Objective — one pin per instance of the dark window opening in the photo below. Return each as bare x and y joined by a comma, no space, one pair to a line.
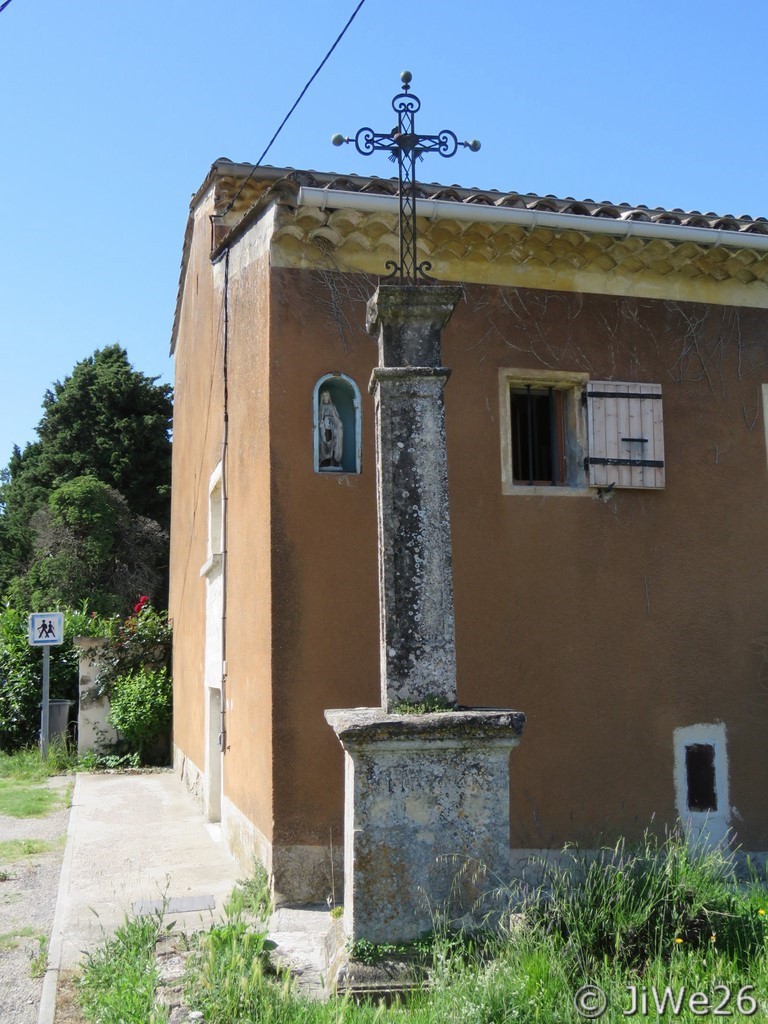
700,774
538,441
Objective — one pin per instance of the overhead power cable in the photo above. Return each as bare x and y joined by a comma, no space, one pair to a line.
4,5
300,97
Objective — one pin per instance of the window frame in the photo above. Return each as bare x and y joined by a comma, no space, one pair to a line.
216,512
572,385
612,433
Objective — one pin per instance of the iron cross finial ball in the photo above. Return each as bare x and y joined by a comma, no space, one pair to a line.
405,145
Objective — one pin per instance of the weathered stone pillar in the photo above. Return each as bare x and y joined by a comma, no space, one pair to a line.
425,794
417,638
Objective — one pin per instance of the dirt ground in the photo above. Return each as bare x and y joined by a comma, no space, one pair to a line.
67,1006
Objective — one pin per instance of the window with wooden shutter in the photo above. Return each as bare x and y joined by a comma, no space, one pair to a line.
625,434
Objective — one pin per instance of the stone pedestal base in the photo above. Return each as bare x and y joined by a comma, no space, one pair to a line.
426,799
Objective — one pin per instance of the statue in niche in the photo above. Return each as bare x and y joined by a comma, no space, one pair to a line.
331,433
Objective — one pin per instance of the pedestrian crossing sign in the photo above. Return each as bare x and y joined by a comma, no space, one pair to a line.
46,629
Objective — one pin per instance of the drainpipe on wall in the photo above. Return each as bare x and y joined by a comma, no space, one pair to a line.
224,531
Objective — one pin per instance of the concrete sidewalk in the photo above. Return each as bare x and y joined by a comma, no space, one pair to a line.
136,844
133,842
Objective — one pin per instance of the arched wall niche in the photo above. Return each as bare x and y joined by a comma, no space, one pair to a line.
345,399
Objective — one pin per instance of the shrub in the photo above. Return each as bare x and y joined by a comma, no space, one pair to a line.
143,640
141,709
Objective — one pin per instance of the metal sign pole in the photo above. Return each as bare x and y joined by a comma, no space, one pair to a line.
45,629
45,711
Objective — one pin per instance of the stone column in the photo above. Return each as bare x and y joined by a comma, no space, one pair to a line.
426,795
417,638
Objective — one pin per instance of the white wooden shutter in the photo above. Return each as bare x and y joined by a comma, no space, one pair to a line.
626,434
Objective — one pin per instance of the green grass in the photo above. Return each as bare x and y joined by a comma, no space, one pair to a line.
637,906
39,962
26,765
21,801
11,940
660,917
429,705
252,895
229,973
18,849
119,980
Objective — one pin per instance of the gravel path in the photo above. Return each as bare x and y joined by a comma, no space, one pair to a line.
28,891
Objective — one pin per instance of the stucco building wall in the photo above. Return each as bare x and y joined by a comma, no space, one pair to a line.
610,619
197,437
248,761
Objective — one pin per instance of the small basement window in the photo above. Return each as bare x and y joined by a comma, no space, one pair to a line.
700,777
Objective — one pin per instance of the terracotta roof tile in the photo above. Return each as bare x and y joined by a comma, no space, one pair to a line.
269,176
242,190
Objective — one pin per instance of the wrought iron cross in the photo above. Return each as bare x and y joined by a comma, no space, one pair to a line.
405,145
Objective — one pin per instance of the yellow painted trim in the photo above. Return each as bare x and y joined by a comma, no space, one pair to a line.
350,241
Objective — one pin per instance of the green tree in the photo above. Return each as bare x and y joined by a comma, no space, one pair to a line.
106,422
87,542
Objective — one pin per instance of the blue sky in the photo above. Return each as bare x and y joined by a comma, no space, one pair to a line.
112,114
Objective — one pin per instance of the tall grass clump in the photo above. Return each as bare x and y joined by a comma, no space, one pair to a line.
26,764
252,895
119,979
663,918
230,977
637,906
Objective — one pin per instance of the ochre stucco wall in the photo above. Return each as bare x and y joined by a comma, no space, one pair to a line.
325,599
198,449
608,622
197,435
248,767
